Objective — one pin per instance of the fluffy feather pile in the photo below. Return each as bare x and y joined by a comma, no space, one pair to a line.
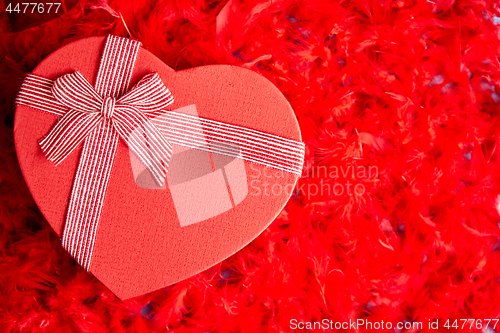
406,89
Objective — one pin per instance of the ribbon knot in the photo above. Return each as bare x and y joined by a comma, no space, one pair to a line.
129,116
108,107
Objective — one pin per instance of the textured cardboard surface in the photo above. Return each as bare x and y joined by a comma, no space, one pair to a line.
140,245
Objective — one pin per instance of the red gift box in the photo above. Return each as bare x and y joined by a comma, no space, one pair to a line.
139,244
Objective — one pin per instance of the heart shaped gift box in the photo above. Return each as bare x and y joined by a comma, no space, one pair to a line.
152,184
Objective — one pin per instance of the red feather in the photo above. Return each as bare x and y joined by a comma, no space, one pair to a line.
410,89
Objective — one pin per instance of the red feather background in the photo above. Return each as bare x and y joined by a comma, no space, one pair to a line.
399,104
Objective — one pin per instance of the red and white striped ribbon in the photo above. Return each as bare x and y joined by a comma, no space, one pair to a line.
99,116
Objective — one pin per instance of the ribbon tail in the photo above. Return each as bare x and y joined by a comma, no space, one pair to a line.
67,134
74,91
88,192
98,154
36,92
145,141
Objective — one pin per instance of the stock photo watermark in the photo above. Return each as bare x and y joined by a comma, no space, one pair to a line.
324,181
213,175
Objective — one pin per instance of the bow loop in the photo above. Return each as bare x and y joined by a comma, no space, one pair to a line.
75,92
148,95
67,134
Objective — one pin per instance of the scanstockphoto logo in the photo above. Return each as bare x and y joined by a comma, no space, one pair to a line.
317,181
204,181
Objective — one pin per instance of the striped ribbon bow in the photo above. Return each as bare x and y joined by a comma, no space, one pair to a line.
99,116
128,116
